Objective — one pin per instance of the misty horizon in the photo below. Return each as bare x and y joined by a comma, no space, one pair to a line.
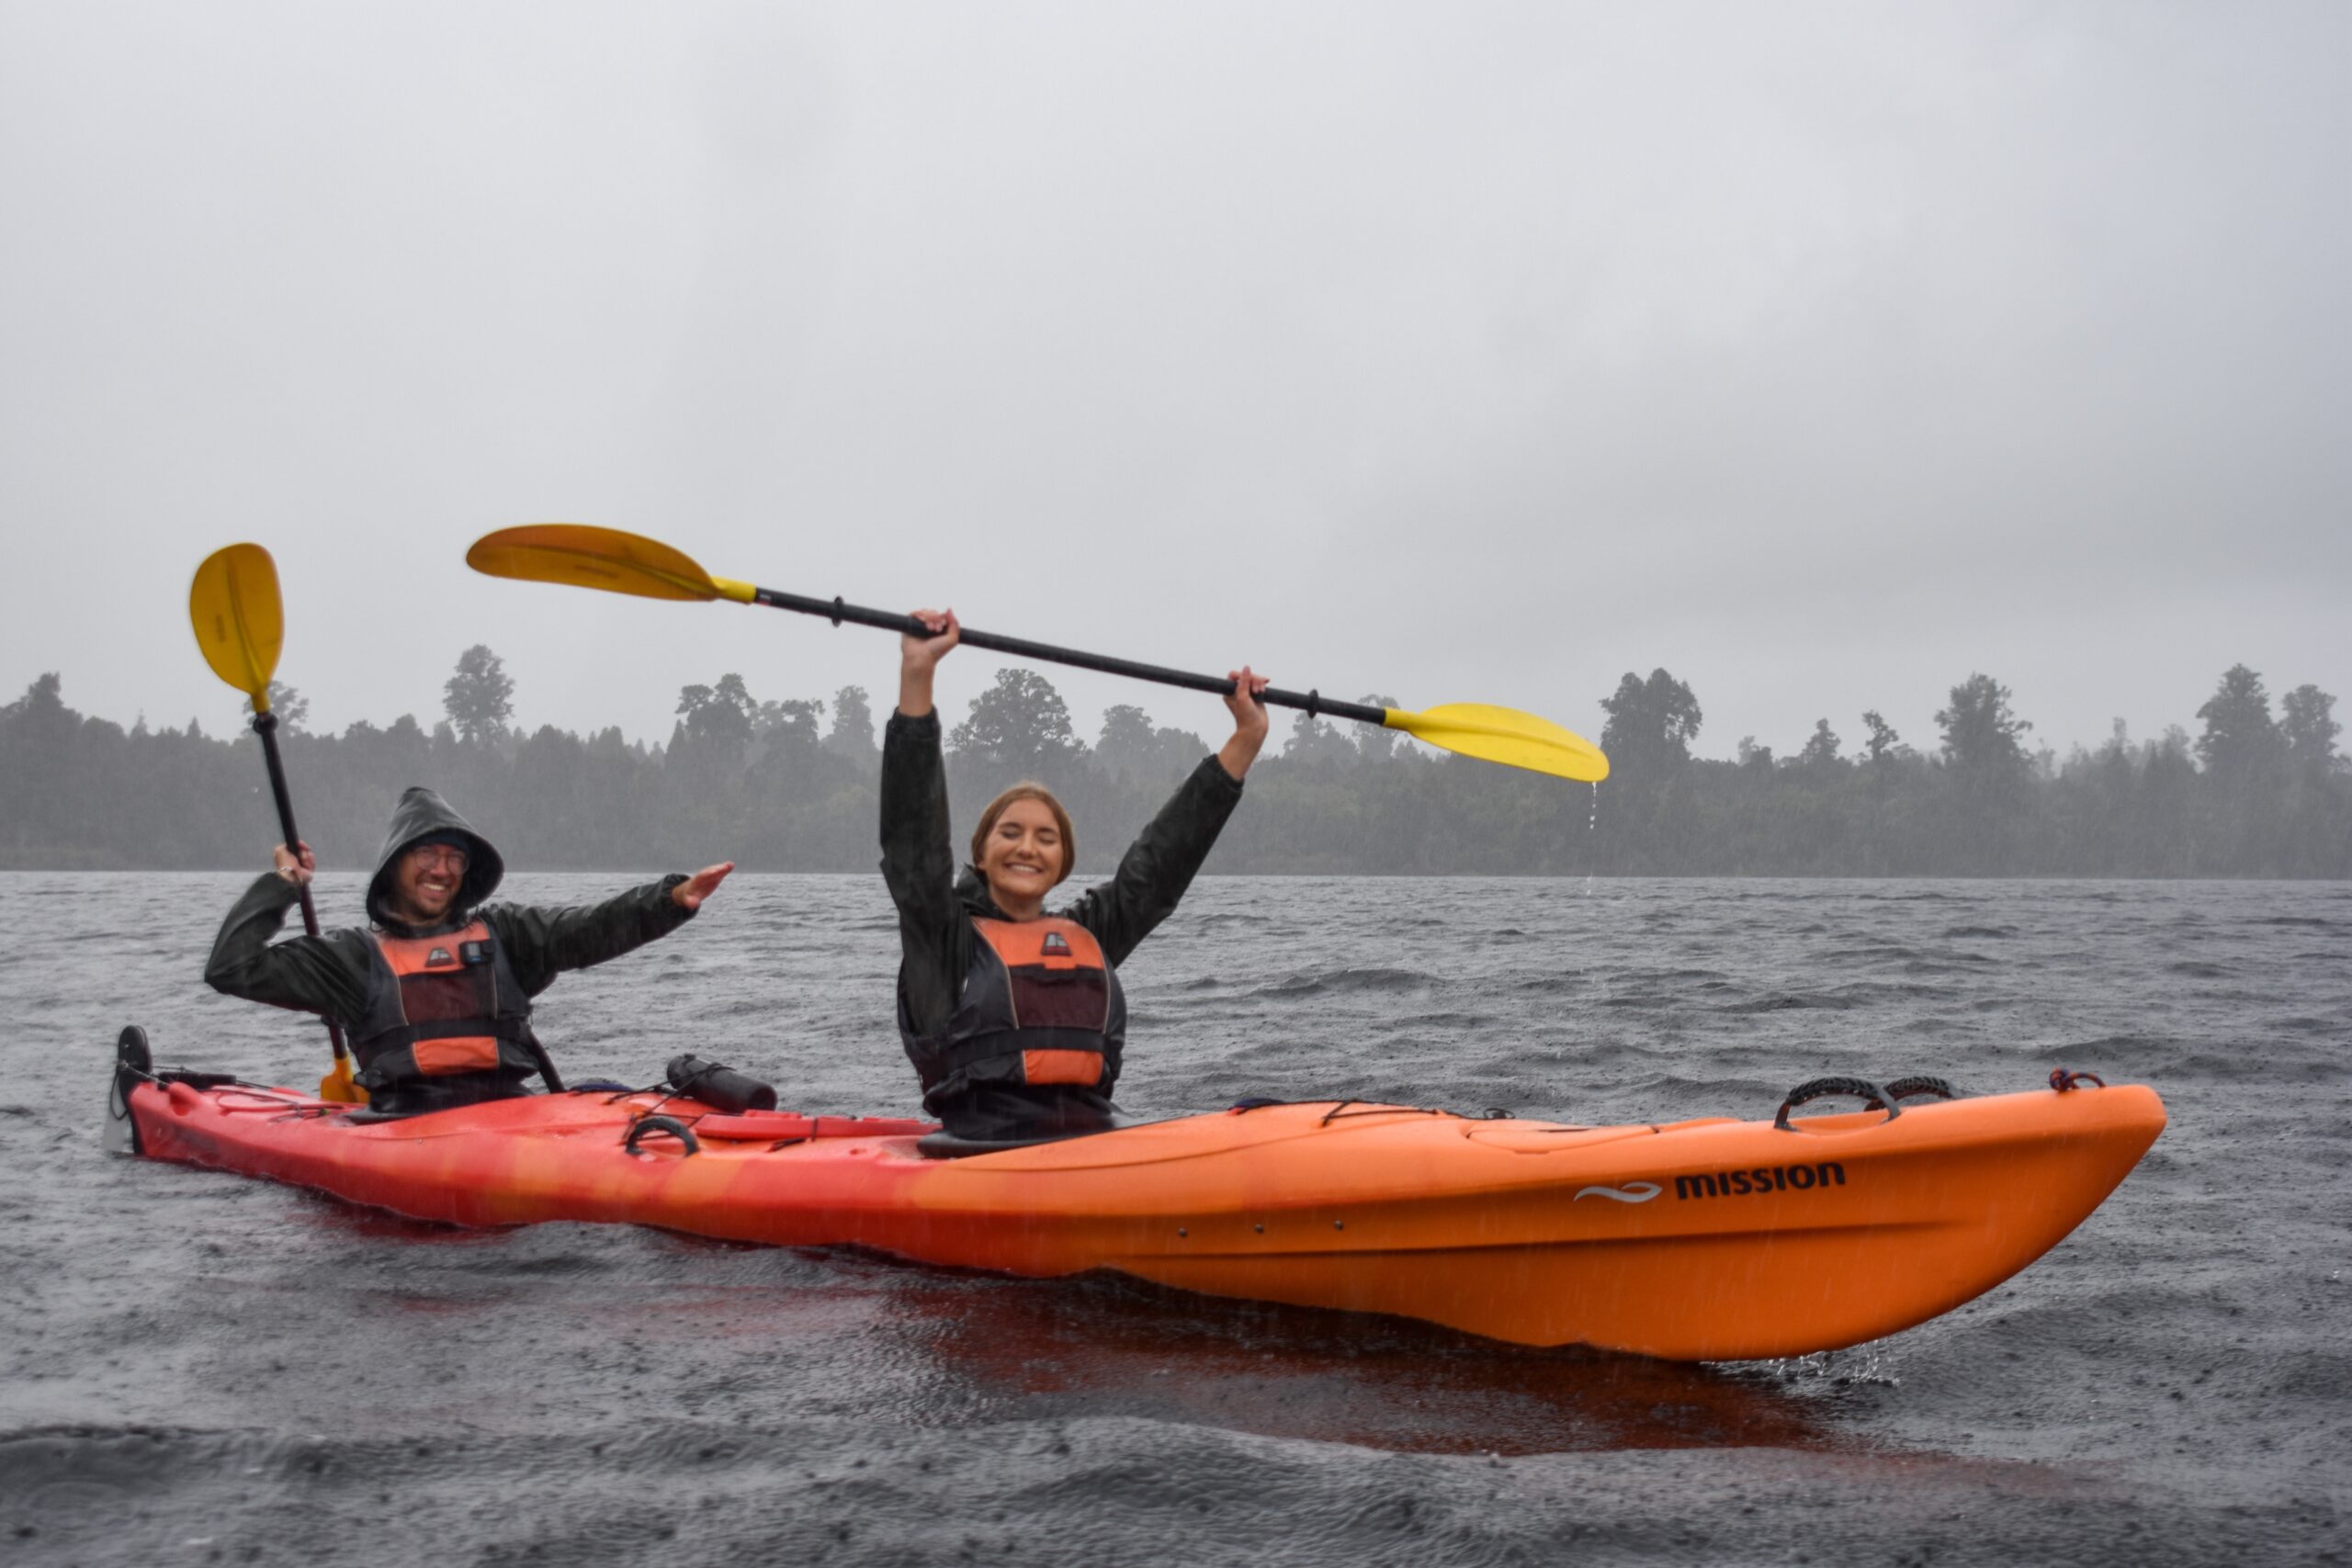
778,783
231,713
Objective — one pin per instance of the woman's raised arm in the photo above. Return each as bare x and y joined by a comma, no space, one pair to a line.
920,656
1249,722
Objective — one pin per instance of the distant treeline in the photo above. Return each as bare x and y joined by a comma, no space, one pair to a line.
790,785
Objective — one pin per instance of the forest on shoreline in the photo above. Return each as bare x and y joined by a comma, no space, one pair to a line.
790,785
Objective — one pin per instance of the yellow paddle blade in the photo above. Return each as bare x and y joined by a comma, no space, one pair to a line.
580,556
240,622
1507,736
338,1087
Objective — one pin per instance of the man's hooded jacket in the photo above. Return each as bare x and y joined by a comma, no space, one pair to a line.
334,974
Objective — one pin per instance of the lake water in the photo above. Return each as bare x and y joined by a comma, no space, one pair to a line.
203,1368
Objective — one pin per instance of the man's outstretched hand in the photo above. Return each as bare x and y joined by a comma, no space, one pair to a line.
688,895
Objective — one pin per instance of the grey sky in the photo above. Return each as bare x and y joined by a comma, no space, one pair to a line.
1822,354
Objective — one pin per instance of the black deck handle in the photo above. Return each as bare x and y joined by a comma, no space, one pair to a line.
1916,1084
1869,1094
668,1124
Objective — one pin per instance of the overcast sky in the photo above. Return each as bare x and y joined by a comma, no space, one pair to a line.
1822,354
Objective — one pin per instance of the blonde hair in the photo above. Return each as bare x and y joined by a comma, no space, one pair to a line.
1027,790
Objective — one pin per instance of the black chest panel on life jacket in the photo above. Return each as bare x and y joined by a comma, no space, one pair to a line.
1039,1006
439,1006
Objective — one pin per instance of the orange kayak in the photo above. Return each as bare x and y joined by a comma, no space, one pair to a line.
1710,1239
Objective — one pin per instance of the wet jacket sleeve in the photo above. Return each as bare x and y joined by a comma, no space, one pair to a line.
325,975
543,943
1160,863
919,868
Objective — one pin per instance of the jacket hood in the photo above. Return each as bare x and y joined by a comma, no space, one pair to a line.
972,892
420,815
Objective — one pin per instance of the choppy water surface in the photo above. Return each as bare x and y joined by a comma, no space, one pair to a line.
199,1368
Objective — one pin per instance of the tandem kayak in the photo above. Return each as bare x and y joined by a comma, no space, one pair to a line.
1709,1239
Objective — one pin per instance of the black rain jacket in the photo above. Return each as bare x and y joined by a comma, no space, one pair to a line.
936,902
328,974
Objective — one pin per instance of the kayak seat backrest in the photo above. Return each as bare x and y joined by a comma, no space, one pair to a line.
944,1144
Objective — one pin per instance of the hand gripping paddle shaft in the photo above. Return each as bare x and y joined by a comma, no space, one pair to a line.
583,557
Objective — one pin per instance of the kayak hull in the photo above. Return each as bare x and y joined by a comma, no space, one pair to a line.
1700,1240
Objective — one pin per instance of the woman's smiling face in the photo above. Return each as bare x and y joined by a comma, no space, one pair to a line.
1022,861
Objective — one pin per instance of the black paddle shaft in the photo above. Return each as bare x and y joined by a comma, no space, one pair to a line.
266,726
836,611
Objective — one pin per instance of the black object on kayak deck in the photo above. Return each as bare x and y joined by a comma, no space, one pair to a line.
717,1085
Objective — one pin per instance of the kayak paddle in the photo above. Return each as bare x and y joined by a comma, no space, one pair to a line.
240,623
584,556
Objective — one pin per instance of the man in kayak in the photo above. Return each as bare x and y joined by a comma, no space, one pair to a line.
1013,1018
435,994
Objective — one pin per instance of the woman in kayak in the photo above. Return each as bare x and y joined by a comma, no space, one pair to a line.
1013,1018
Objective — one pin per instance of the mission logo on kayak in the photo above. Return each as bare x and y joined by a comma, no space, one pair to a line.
1763,1179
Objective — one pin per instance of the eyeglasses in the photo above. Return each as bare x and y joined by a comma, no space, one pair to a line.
441,856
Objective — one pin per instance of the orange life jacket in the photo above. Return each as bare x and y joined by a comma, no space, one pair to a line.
442,1005
1040,1005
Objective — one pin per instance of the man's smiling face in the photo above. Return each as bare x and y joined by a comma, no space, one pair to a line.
426,883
